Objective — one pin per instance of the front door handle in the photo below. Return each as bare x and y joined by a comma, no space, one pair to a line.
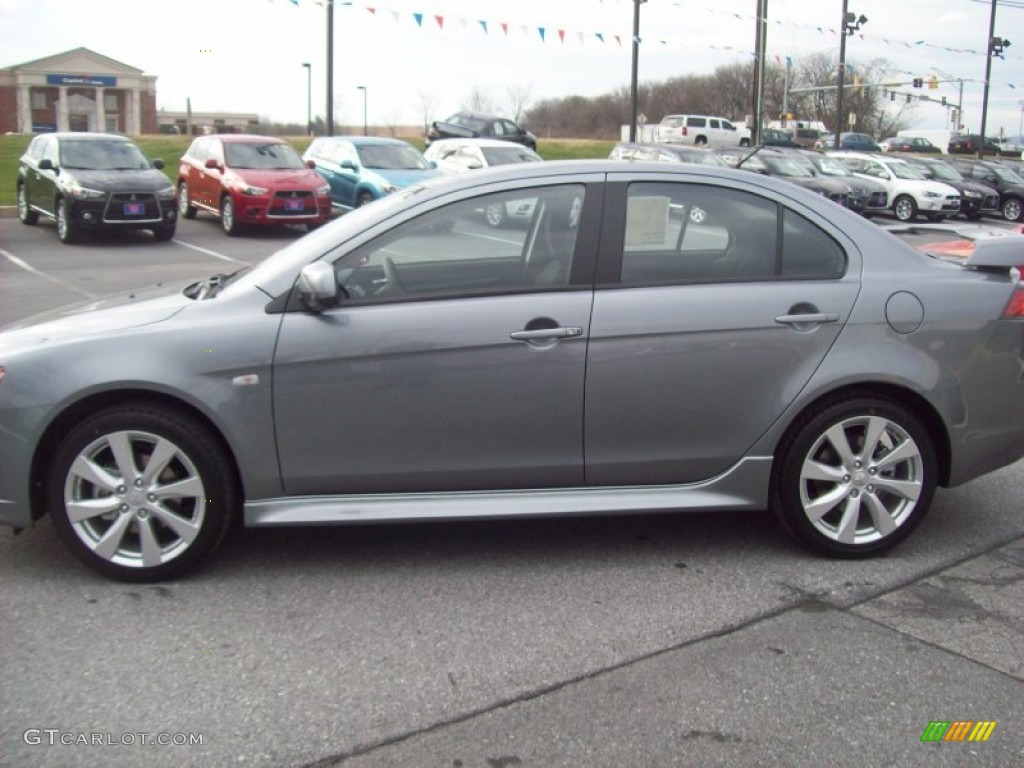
546,333
807,319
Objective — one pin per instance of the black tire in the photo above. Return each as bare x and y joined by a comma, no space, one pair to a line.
185,208
976,216
164,233
744,142
842,501
183,528
700,141
904,208
25,214
364,198
67,230
935,217
1013,209
228,217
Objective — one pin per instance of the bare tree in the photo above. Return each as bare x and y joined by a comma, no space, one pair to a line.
427,101
518,97
478,101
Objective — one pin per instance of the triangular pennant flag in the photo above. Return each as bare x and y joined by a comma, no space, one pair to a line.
504,28
372,10
419,19
561,36
618,39
483,24
440,21
541,30
599,36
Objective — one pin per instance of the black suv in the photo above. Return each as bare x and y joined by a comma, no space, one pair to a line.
976,197
1003,178
471,125
88,181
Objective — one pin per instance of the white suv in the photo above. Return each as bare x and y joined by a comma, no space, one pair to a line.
910,191
701,130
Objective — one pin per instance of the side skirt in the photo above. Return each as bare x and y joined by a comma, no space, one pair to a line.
743,486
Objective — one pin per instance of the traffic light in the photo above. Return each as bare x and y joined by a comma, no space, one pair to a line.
918,82
856,83
892,95
933,83
943,101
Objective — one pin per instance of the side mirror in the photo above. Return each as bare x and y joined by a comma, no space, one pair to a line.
211,162
474,165
432,163
318,287
311,164
158,164
349,164
46,164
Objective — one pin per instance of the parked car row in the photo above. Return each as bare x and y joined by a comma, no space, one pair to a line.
85,182
907,185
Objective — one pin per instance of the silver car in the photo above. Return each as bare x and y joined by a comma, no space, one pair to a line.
618,354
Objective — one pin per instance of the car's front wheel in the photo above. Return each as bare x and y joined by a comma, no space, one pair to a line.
25,213
365,198
228,217
854,477
905,208
140,493
67,230
1013,209
164,233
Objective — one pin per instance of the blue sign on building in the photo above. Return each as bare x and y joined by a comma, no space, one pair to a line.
107,81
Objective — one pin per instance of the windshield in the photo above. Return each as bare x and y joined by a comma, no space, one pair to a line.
906,171
783,166
947,172
95,155
1005,174
831,167
509,155
391,157
268,155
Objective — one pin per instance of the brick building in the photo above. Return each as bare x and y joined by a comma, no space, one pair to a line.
78,90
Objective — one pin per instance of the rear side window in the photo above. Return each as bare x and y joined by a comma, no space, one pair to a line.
681,233
696,122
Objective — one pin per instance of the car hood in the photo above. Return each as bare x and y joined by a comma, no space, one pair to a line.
146,180
403,177
298,178
145,307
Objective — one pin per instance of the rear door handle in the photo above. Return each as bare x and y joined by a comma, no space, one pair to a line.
546,333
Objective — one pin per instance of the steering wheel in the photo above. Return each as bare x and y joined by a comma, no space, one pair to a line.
395,284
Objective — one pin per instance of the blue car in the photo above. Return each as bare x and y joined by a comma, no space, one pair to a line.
361,169
856,142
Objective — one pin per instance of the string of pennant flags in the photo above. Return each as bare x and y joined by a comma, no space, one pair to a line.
442,22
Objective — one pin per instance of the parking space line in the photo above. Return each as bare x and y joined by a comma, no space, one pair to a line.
29,268
208,252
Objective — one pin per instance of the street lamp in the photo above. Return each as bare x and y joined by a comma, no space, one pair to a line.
309,97
996,45
636,57
363,89
851,23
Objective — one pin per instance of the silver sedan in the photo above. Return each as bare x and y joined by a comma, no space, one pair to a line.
655,338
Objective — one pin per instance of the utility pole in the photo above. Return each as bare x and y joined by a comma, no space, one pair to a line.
760,43
330,67
636,61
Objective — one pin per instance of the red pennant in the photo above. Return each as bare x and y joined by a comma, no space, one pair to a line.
440,21
561,36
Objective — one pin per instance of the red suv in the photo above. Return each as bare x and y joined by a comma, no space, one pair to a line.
251,180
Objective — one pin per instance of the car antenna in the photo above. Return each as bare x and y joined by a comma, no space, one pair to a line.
757,149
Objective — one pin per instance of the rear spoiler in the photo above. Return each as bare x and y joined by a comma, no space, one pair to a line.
974,246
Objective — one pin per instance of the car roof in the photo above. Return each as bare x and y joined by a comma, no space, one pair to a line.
479,142
89,136
243,138
364,140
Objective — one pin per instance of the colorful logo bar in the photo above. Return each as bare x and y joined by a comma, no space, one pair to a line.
958,730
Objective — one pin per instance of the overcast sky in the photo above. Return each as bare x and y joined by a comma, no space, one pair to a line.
428,55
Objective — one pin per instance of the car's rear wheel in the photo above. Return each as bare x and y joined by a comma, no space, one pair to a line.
140,493
1013,209
228,218
185,208
936,217
67,231
26,214
700,141
853,478
495,215
904,208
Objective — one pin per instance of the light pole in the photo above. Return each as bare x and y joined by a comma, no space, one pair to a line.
309,97
636,58
363,89
850,25
995,48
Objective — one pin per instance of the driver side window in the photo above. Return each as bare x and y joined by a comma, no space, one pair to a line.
508,242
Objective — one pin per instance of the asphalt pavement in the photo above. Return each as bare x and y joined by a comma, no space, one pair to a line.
648,640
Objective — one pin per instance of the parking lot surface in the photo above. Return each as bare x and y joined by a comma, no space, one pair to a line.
681,640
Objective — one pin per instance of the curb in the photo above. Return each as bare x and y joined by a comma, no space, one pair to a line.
8,211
